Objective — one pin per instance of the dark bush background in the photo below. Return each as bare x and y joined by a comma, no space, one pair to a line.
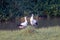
12,9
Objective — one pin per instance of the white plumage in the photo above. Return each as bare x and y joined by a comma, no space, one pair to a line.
23,24
32,20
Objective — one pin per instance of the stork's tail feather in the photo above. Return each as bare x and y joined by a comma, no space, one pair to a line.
36,23
19,25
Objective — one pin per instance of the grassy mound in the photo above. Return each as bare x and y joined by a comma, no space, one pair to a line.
30,33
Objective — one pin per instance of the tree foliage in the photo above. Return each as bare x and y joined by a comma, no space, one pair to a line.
17,8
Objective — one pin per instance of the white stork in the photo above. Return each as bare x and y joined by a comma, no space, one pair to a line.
33,21
23,24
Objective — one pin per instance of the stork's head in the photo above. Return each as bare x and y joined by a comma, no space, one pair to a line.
25,17
32,15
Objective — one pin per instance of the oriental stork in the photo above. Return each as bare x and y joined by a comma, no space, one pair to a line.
23,24
33,21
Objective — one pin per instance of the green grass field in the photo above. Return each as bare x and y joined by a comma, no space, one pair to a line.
50,33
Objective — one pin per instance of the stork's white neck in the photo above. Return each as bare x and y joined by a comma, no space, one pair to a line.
25,19
32,17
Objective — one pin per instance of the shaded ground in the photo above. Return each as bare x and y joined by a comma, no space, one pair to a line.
49,22
42,23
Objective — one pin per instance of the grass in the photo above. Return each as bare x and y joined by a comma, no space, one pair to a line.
50,33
